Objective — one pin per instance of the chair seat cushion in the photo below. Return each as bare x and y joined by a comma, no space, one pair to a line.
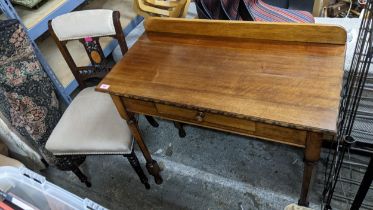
90,125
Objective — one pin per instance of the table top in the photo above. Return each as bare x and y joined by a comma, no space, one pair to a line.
284,74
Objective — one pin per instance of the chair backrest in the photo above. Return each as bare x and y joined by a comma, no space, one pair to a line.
28,102
88,27
146,10
163,8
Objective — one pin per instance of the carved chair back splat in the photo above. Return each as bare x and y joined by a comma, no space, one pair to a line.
99,64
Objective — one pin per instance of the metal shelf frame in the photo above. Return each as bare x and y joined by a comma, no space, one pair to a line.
42,26
8,9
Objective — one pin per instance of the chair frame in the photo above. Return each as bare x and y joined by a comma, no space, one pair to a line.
162,8
72,163
93,49
98,69
144,9
179,7
166,4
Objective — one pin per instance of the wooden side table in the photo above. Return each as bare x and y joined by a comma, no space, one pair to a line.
276,81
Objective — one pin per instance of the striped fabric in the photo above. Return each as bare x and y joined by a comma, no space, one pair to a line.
230,7
261,11
212,8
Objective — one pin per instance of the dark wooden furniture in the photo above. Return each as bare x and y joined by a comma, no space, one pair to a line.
161,8
98,68
275,81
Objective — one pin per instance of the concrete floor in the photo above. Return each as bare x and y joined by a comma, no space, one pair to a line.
206,170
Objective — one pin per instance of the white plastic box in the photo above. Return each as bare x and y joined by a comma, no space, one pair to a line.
37,191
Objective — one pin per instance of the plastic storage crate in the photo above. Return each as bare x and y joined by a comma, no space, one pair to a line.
35,190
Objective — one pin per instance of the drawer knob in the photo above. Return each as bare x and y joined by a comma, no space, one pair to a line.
199,116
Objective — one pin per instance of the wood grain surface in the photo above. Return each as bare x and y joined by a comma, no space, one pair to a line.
292,84
300,32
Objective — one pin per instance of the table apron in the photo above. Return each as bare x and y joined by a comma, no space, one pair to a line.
276,133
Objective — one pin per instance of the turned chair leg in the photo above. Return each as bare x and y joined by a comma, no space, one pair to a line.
180,127
151,121
83,178
132,158
46,164
72,163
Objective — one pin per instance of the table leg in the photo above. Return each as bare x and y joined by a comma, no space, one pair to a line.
151,165
311,158
180,128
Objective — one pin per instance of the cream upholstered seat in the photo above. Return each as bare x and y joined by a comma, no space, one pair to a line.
90,125
92,117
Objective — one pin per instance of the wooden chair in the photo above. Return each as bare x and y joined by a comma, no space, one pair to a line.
166,4
179,8
161,8
91,124
145,10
